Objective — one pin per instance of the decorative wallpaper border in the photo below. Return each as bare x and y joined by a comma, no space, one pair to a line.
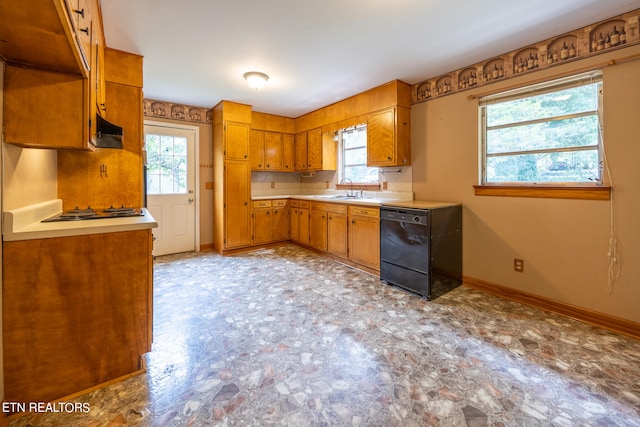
168,110
605,36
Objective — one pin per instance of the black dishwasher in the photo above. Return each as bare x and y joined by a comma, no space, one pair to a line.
421,249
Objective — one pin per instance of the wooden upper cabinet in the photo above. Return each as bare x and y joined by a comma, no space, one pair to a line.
273,151
256,149
315,151
236,141
300,148
388,138
45,35
288,157
43,109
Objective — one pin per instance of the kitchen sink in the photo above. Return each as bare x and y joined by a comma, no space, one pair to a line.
338,197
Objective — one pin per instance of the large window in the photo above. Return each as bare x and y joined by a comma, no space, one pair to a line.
544,134
354,156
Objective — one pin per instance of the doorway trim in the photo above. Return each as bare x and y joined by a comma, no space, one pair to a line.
196,165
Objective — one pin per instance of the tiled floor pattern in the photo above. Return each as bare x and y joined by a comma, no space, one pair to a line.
283,337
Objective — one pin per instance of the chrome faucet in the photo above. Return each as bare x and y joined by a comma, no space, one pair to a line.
350,193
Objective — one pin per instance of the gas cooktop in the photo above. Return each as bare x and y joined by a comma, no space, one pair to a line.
78,214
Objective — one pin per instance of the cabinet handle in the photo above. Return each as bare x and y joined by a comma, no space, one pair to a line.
267,212
85,30
79,12
245,203
268,166
389,158
245,156
260,165
353,222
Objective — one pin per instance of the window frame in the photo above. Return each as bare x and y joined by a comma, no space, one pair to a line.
543,189
359,185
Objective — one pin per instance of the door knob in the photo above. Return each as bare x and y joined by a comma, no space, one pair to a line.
190,200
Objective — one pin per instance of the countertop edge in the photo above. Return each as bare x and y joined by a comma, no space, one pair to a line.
40,230
400,203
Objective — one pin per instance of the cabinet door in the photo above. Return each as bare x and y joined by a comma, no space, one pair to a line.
381,138
256,149
43,109
237,215
303,215
314,149
337,234
301,151
236,141
364,241
295,224
262,226
288,164
281,224
272,151
318,230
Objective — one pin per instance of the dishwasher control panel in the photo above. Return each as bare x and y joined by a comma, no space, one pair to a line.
413,216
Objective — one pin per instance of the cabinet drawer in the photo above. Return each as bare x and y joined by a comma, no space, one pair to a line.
364,211
304,204
329,207
262,204
295,203
279,203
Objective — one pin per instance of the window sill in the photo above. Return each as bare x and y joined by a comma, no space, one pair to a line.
359,186
549,192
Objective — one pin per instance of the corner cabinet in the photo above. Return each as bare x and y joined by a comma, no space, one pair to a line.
389,137
232,176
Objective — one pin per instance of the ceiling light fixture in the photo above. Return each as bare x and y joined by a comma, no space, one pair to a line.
256,79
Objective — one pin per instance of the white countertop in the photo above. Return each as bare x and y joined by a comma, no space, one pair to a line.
24,223
365,201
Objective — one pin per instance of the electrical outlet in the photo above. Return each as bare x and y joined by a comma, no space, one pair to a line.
273,184
326,184
384,185
518,265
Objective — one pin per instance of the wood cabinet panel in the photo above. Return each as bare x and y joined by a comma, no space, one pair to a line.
256,149
295,224
314,149
262,226
272,151
236,138
388,138
67,328
364,240
281,223
300,148
81,179
304,223
43,109
318,230
237,217
337,234
288,159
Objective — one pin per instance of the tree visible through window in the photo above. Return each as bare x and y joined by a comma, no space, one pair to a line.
547,133
167,164
354,156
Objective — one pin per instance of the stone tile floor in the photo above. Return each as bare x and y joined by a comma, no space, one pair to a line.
284,337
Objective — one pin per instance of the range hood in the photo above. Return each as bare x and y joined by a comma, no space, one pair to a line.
107,134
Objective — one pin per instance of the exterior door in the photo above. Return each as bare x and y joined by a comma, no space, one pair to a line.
171,195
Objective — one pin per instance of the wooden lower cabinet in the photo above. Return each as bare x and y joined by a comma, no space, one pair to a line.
76,312
364,236
300,221
328,228
271,221
337,234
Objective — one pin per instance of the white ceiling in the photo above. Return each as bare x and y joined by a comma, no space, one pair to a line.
321,51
